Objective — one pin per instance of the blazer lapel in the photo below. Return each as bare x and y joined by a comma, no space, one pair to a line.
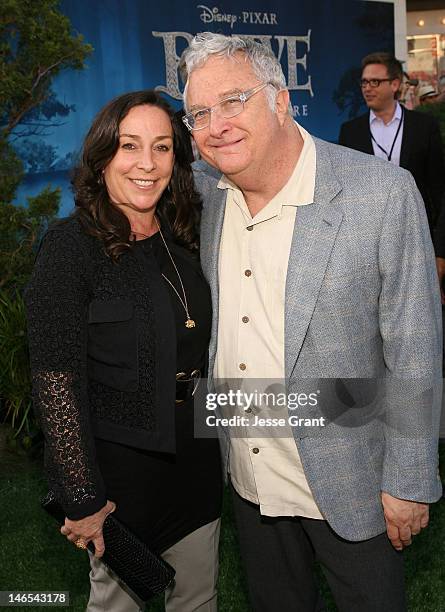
211,229
408,143
316,228
364,134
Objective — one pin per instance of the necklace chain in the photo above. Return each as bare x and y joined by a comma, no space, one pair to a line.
136,233
189,322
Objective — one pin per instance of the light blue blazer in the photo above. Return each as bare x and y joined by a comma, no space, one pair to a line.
362,302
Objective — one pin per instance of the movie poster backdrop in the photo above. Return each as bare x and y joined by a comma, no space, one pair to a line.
137,45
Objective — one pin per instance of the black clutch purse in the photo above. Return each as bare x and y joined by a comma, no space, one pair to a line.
145,573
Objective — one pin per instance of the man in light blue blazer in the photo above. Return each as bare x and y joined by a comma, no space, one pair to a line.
321,268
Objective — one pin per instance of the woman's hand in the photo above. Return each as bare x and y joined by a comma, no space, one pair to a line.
89,529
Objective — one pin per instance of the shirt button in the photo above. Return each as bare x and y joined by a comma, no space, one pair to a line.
249,228
242,366
245,319
255,451
248,272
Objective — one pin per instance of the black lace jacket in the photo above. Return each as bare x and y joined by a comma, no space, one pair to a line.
103,359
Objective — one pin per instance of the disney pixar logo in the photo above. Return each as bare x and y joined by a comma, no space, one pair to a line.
251,17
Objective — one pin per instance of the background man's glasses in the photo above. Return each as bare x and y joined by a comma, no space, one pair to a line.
229,107
373,82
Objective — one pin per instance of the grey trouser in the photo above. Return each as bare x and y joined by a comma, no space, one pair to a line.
195,559
279,554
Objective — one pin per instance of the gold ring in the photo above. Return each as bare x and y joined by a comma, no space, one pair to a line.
80,544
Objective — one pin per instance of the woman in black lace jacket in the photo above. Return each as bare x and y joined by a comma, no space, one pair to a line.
118,310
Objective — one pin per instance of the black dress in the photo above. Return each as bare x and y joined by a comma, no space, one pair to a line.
164,497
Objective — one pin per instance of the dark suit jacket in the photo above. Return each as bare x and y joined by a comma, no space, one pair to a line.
421,153
439,233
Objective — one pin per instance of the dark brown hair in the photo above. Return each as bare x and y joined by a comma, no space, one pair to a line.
179,206
392,64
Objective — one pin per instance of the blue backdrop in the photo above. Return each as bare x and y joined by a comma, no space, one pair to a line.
137,44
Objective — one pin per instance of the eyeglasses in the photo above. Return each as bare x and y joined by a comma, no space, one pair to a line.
229,107
372,82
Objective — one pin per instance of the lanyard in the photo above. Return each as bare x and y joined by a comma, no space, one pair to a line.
389,155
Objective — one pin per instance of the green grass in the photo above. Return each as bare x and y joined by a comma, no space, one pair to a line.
35,557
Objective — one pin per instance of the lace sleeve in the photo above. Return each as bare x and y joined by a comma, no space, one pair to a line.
57,300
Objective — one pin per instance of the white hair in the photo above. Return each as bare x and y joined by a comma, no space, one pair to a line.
264,63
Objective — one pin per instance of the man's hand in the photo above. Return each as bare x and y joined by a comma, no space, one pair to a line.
440,265
403,519
89,529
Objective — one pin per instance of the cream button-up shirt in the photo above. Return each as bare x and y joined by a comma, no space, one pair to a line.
253,260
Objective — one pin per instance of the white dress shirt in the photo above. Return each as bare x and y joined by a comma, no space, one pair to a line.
385,133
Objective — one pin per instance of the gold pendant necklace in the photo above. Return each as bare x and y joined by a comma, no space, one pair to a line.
189,322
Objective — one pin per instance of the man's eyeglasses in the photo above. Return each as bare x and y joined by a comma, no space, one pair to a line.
229,107
373,82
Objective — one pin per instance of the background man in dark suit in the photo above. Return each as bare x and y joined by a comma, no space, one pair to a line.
406,138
